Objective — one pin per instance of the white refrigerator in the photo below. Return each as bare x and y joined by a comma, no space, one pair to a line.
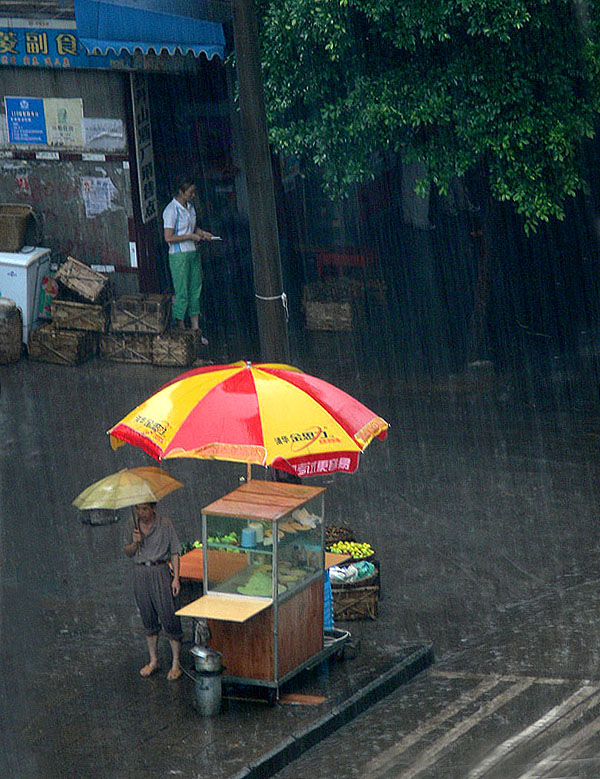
21,275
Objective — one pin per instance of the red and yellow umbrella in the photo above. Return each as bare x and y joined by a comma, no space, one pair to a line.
253,413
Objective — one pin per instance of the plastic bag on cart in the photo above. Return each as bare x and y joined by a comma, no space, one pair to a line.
201,632
346,574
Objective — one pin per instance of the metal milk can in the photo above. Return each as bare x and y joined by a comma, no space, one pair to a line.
209,670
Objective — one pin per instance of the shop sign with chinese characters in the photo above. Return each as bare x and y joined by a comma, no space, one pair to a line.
46,48
44,44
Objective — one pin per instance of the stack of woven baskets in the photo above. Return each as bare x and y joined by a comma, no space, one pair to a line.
86,320
353,599
78,316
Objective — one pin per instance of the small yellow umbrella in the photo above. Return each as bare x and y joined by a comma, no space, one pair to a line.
127,487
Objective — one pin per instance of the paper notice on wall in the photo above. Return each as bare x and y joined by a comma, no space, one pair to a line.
22,180
103,134
97,194
133,254
63,121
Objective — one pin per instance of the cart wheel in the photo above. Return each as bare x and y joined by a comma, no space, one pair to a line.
272,696
352,648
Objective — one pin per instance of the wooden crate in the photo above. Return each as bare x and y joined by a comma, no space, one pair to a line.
358,600
174,348
140,313
338,304
342,290
69,315
64,347
126,347
80,278
328,315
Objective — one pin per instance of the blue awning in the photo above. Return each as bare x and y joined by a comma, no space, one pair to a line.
104,26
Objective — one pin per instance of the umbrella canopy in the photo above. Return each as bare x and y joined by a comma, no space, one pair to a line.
127,487
253,413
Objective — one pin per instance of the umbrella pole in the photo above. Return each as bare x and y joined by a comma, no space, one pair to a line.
248,472
136,526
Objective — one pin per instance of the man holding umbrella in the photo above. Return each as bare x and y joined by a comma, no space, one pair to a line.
150,541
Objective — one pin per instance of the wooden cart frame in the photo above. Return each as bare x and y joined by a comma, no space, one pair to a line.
285,630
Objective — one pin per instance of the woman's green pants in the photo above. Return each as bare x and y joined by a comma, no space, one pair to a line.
186,274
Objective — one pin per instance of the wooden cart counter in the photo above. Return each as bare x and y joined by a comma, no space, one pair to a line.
225,607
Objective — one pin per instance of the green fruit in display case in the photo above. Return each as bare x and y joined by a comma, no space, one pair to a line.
229,539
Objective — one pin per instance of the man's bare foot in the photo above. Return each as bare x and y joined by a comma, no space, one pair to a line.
174,673
149,669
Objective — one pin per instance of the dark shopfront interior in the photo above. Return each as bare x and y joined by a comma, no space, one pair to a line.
193,140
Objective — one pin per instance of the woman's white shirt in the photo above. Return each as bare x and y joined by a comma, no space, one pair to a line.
182,220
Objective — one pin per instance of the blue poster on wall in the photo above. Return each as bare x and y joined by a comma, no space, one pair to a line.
26,120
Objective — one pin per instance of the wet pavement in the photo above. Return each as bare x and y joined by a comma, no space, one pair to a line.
522,700
482,506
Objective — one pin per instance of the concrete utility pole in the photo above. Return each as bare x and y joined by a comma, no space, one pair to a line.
264,236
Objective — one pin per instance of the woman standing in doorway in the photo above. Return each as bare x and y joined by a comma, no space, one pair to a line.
182,235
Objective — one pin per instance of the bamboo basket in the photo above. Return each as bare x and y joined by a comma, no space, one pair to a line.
328,316
80,278
140,313
13,225
11,331
126,347
69,315
335,533
357,600
64,347
173,348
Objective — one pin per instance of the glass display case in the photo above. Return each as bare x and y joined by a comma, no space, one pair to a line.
268,557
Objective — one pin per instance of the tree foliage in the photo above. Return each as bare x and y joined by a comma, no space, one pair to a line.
510,84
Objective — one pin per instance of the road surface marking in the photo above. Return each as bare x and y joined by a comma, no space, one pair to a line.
429,756
505,677
559,712
563,750
386,759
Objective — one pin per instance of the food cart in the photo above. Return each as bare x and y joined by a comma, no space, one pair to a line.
263,563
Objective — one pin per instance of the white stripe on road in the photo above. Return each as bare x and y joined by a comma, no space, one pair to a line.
505,677
429,756
386,759
563,750
380,765
535,729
